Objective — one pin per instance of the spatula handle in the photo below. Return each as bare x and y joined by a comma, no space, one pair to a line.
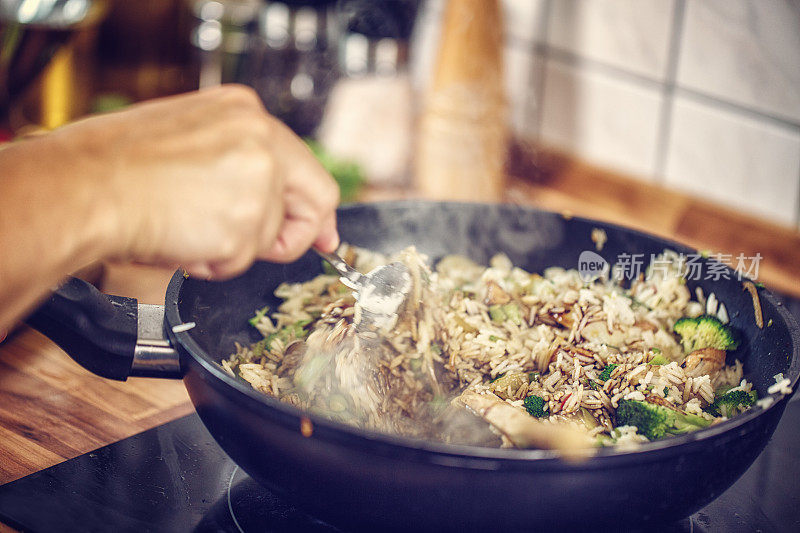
340,265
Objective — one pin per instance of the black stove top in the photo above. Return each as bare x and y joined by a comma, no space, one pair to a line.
175,478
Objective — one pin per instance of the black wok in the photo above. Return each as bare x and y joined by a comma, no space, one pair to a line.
357,477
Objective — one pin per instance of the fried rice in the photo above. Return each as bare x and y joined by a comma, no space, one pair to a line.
497,331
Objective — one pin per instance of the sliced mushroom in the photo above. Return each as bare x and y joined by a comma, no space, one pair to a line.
704,361
495,295
292,355
524,431
557,318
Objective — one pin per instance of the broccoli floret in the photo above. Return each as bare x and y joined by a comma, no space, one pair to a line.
705,331
656,421
732,403
535,405
605,375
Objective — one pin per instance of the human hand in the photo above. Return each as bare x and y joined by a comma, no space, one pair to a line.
207,180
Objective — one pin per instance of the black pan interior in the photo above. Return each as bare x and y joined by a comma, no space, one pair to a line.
533,240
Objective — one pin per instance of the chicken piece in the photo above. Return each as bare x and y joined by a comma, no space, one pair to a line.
704,361
524,431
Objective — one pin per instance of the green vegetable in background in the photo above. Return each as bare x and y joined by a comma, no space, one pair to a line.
347,174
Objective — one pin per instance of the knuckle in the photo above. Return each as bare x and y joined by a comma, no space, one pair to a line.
228,248
241,94
247,212
266,124
267,166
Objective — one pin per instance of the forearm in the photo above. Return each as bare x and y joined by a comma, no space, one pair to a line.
54,219
207,180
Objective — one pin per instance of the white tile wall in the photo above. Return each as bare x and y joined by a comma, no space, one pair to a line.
745,163
522,70
612,122
744,51
726,128
523,19
632,34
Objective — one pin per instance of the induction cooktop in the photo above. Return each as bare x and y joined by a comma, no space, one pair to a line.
175,478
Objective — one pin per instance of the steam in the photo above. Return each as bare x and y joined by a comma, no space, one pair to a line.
358,375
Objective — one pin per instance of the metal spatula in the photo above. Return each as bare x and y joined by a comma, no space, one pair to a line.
380,293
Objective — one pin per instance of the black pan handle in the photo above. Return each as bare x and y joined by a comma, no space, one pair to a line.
104,333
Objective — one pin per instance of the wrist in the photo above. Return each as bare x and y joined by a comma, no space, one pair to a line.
75,169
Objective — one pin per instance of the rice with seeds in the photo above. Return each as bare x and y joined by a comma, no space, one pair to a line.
574,349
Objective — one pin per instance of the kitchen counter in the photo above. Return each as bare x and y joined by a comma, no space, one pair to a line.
52,410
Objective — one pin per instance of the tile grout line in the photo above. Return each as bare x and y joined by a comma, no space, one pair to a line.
668,93
579,62
740,109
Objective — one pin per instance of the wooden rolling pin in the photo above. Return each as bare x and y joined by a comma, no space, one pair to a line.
463,132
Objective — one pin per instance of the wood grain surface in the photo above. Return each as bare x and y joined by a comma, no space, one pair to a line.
51,409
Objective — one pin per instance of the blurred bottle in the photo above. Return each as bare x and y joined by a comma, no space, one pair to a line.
369,116
463,132
46,60
291,61
144,49
222,38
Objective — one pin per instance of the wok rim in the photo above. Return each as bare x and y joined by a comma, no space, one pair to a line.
185,340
